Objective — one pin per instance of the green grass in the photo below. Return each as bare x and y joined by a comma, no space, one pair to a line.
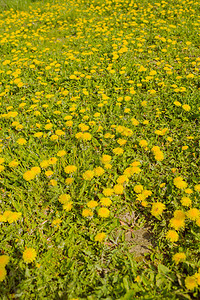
124,73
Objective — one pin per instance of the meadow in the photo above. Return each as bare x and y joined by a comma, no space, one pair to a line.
99,149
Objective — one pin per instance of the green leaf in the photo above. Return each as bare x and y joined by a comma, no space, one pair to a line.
163,269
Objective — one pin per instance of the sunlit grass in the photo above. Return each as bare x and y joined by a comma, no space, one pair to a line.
99,150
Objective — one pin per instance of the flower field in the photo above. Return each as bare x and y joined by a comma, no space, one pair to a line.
99,149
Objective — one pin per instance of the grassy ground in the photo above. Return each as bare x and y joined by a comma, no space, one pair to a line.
99,161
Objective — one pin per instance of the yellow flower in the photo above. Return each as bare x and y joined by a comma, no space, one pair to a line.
38,134
88,175
118,151
86,136
87,212
103,212
2,168
54,137
179,257
118,189
185,201
69,180
35,170
53,182
193,214
106,159
134,121
49,173
98,171
100,237
159,156
108,166
108,192
92,204
157,209
2,160
13,217
29,175
68,205
56,222
180,183
70,169
188,191
4,260
190,282
198,222
21,141
155,149
197,187
177,223
184,147
172,236
138,188
106,201
2,274
29,255
179,214
61,153
177,103
13,164
186,107
64,198
121,179
44,164
143,143
52,160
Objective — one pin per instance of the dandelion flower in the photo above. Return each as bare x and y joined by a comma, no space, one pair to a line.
68,206
64,198
138,188
69,180
86,136
2,274
179,214
108,192
190,282
29,175
185,201
172,236
106,159
21,141
179,257
100,237
198,222
103,212
186,107
87,212
92,204
118,189
88,175
197,187
106,201
2,160
4,260
157,209
29,255
70,169
180,183
98,171
61,153
118,151
193,214
121,179
177,223
143,143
